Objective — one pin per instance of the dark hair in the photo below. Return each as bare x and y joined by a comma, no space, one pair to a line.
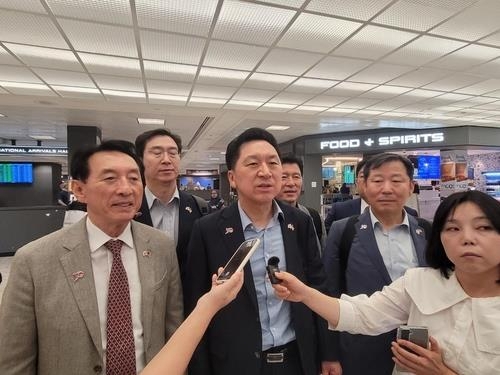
80,160
435,254
360,165
143,138
249,135
290,159
378,160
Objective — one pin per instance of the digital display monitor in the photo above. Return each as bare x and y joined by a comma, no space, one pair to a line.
428,167
16,173
348,176
196,183
328,173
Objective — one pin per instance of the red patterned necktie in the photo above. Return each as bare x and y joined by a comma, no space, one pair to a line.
120,351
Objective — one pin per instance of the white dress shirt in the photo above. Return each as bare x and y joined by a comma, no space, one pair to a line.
467,329
102,260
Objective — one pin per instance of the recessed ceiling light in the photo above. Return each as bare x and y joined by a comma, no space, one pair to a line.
42,137
277,127
2,115
151,121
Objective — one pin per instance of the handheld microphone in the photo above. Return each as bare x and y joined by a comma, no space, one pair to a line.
272,267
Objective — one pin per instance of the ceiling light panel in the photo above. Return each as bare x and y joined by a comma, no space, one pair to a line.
30,29
171,48
361,9
309,109
109,11
218,92
481,87
78,92
151,121
315,33
311,85
118,83
358,103
472,24
380,73
170,88
337,68
169,71
241,104
167,99
7,58
454,82
423,50
284,61
276,107
254,95
326,100
373,42
207,102
221,77
418,15
125,94
17,88
65,78
233,55
420,77
251,23
466,57
111,65
350,88
99,38
269,81
291,98
45,57
341,110
17,74
185,17
23,5
277,127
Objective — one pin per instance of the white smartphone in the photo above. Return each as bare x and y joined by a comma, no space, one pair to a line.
240,257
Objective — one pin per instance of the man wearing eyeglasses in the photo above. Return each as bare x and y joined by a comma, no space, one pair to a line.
164,206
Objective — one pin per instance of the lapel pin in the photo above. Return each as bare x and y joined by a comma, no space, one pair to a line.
229,230
419,231
137,214
189,209
291,227
364,226
146,253
77,275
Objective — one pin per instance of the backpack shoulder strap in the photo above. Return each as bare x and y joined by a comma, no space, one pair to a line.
202,204
317,221
345,248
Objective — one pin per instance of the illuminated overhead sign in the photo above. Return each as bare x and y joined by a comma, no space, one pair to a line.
33,150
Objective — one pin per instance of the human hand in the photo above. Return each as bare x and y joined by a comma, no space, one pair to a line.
331,368
423,362
291,288
222,293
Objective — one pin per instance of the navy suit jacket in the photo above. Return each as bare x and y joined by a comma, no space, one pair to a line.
365,274
189,211
233,341
351,207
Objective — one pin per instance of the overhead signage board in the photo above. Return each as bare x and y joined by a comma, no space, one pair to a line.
33,150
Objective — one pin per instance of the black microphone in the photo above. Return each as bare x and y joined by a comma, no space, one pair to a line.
272,267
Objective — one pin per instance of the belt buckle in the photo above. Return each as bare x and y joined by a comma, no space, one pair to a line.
275,357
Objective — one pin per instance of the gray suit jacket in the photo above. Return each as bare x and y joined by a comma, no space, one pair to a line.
49,321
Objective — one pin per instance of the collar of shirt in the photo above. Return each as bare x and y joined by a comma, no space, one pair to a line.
98,238
151,198
405,223
245,220
364,204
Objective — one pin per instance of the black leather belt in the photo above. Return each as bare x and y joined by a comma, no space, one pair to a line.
279,354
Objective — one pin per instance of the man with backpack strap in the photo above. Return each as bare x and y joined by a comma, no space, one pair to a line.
366,252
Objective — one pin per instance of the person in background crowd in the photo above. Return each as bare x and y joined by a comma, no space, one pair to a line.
257,333
291,188
63,197
101,296
384,242
215,203
457,298
344,189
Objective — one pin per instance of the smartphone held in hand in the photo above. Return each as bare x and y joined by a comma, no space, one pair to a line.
240,257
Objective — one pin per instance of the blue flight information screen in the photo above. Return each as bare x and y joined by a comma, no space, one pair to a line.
429,167
16,173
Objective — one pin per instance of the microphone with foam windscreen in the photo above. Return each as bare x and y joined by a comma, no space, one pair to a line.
272,267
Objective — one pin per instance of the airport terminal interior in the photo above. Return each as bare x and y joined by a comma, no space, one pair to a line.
411,73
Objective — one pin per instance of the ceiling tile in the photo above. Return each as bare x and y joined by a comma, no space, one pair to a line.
290,98
251,23
64,78
311,85
206,102
254,95
233,55
373,42
29,29
423,50
358,9
419,77
489,69
221,77
275,107
380,73
482,87
99,38
358,103
384,92
78,92
288,3
170,88
171,48
125,96
350,88
118,83
454,82
420,15
284,61
109,11
326,100
17,74
185,17
111,65
420,93
466,57
337,68
492,39
45,57
242,104
218,92
35,89
308,109
315,33
169,71
23,5
269,81
7,59
167,99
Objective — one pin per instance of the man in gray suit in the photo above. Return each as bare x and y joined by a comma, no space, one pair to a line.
385,243
58,315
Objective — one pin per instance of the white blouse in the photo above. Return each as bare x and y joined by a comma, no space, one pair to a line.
467,329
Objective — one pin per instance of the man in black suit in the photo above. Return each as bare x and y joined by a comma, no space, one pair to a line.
164,206
257,334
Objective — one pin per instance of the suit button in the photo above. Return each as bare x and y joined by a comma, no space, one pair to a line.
97,368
